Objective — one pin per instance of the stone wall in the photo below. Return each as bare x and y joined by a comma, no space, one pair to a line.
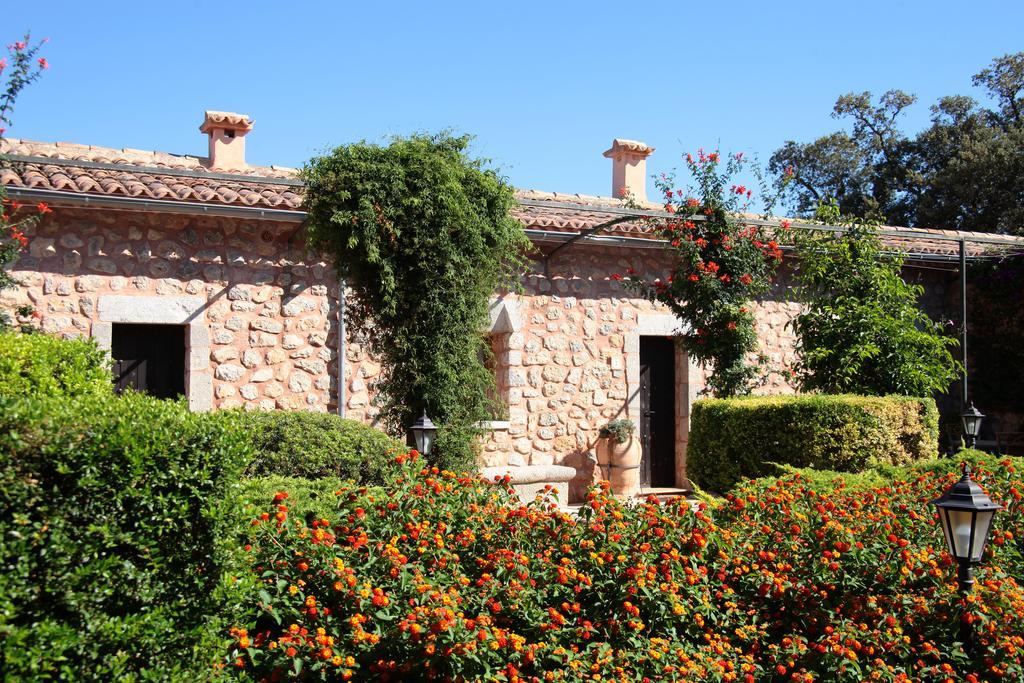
263,313
263,332
571,363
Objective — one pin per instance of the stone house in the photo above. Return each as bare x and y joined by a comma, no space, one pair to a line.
191,270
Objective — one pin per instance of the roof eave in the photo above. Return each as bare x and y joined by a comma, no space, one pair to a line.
79,200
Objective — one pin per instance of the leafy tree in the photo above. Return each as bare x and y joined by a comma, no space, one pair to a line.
422,235
965,171
862,331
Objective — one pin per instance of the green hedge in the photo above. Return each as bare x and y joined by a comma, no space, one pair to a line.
112,513
39,364
318,445
745,437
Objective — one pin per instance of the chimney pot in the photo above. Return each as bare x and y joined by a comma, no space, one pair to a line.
629,168
227,132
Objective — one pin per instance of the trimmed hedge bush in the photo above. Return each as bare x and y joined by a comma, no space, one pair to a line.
42,365
734,438
317,445
113,511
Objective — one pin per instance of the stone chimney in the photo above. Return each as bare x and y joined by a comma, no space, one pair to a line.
227,133
629,168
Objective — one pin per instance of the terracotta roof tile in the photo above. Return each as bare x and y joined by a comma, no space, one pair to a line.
68,151
225,119
137,174
157,175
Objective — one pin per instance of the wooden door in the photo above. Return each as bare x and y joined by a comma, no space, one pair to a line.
657,411
149,358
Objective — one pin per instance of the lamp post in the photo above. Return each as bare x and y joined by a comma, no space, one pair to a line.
423,431
965,515
972,418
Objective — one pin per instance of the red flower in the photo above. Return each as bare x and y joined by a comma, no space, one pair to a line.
43,208
43,64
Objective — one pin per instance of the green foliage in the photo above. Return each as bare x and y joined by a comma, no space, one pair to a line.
422,235
861,330
111,515
720,265
41,365
731,439
307,498
617,430
964,172
317,445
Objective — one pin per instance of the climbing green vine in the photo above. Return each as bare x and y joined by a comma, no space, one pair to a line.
421,233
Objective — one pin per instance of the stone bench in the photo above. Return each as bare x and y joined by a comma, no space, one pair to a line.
529,480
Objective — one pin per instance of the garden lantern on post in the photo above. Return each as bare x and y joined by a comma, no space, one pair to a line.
965,514
972,418
423,431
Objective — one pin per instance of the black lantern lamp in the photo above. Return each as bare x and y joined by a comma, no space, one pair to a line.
965,514
972,418
423,432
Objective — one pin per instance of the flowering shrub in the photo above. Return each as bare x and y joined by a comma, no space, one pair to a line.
721,263
15,218
446,578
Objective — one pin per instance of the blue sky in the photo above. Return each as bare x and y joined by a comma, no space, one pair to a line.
544,86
